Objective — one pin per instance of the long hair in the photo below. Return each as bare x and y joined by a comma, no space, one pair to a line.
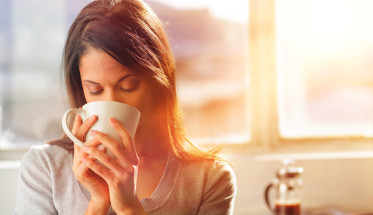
131,33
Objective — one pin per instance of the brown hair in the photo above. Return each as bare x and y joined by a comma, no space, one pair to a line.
130,32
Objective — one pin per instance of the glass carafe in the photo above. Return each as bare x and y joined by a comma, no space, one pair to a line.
287,187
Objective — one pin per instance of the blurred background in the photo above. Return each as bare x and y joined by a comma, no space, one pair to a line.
324,67
208,41
269,79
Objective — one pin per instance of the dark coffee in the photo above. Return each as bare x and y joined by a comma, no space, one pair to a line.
287,209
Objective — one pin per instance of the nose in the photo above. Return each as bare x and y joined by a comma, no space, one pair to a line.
112,95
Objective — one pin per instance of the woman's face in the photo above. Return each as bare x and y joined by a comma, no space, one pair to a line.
105,79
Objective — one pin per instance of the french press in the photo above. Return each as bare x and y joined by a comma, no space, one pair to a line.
287,186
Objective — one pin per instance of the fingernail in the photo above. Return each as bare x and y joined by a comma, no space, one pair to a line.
93,132
91,118
113,120
101,148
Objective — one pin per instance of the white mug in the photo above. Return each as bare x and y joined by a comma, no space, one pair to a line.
104,110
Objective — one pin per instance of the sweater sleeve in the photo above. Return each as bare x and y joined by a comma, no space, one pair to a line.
221,190
34,192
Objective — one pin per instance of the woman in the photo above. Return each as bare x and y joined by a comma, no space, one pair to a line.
118,51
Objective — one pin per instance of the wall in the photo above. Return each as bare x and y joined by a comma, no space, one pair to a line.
341,181
8,185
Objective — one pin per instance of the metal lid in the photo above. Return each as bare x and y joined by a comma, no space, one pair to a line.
289,171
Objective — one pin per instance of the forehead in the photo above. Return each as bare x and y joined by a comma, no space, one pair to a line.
97,64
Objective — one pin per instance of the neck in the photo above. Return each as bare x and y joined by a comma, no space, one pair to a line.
153,144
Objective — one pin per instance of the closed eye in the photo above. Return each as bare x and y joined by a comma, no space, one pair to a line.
93,87
97,92
130,84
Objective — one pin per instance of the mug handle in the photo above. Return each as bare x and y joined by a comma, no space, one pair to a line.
266,197
67,130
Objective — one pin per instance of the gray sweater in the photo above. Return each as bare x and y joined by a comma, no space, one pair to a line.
47,186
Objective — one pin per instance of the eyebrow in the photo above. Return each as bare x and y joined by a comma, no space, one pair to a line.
119,80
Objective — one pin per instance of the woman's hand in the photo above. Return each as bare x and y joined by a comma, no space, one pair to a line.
97,186
120,171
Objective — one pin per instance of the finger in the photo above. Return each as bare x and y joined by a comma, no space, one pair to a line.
126,139
77,123
83,129
104,158
116,148
124,134
77,162
78,153
98,169
76,149
93,143
81,171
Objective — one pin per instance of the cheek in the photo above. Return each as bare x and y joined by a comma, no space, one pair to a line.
87,96
149,108
145,105
145,100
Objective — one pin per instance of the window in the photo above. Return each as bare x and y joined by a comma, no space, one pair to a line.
311,71
324,64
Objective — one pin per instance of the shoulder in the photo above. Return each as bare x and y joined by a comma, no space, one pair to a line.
212,172
45,156
47,151
212,182
42,173
222,168
219,167
222,175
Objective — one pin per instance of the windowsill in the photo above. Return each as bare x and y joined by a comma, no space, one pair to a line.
303,149
12,154
300,149
9,164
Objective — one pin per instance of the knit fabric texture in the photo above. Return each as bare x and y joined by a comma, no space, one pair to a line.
47,186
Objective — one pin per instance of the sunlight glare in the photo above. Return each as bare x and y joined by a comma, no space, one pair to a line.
235,10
